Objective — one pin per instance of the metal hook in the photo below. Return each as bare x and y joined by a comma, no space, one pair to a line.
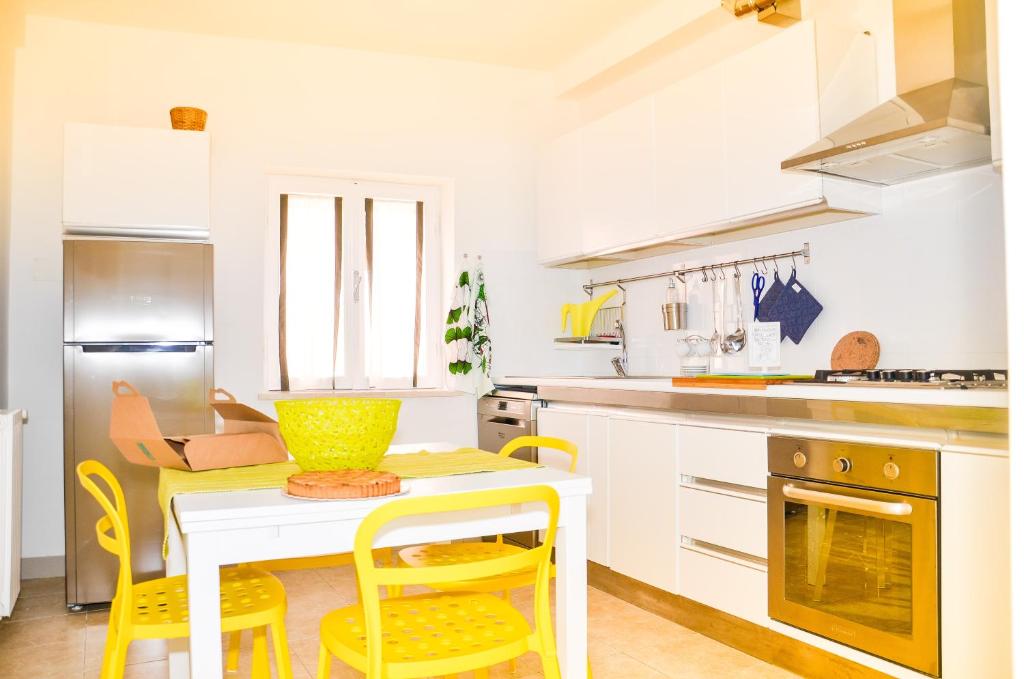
721,272
793,257
703,275
736,268
619,286
775,264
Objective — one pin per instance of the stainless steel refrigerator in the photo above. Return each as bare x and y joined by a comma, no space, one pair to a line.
140,311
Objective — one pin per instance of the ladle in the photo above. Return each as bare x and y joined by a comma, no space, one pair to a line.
734,342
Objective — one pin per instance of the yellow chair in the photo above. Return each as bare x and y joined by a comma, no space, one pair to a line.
294,564
158,609
441,633
466,552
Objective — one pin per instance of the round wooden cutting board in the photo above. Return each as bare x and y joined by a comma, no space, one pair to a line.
856,351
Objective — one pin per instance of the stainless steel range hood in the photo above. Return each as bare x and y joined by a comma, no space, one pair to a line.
940,120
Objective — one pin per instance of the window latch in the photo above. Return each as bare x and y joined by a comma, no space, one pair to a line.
357,278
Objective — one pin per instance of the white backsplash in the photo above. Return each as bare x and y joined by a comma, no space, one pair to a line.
927,277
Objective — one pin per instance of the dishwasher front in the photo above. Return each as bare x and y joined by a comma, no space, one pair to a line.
502,416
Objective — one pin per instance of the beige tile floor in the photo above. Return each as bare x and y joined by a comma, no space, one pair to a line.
43,641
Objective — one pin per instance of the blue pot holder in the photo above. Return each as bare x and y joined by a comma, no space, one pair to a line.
792,306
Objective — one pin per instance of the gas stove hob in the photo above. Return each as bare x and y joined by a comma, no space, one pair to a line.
942,379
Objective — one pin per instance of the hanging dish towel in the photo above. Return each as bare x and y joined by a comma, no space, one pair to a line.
467,335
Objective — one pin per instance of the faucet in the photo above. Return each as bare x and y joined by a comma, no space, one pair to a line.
621,363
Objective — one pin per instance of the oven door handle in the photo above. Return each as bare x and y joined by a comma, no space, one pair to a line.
847,501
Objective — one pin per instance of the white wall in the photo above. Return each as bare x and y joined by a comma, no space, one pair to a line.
926,276
271,105
10,35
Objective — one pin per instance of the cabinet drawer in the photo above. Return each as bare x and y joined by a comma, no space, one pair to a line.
724,583
737,457
730,521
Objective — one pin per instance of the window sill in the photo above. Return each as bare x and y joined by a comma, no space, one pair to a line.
359,393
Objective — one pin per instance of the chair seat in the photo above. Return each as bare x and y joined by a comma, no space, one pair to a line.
326,561
249,597
431,628
469,552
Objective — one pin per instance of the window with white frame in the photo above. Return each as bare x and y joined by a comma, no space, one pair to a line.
355,279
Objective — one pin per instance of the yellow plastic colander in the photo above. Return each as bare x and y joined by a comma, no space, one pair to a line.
338,433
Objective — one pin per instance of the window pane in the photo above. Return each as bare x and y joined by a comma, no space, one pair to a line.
310,292
393,293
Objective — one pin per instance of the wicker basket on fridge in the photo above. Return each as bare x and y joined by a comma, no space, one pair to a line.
188,118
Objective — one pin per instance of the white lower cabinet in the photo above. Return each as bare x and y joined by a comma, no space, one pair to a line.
643,536
597,454
975,565
723,520
725,455
590,434
730,520
720,580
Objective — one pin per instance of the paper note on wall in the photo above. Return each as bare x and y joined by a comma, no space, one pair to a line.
765,347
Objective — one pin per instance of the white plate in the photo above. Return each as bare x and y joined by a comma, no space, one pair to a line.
405,488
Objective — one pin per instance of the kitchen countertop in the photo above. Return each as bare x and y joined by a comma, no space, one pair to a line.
976,398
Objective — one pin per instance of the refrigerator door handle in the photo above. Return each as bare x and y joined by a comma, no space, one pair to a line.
181,348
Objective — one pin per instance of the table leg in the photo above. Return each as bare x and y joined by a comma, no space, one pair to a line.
177,649
203,606
571,588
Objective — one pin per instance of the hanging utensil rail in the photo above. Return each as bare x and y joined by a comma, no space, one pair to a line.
720,267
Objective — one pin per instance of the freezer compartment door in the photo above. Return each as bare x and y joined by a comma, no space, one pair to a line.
176,379
137,291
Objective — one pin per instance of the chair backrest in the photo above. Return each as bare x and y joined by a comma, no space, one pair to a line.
371,577
112,528
566,447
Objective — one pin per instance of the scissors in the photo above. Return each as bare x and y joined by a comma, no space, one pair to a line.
757,286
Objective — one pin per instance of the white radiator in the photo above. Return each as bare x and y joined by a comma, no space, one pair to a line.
10,509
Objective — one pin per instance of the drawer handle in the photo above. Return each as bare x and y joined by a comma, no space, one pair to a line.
724,554
847,501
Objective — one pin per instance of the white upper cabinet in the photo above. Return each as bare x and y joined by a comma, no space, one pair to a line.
617,173
559,230
770,111
690,171
701,157
136,181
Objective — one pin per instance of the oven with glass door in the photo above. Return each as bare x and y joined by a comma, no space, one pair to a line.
853,546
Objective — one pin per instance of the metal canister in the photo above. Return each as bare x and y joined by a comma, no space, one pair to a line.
673,315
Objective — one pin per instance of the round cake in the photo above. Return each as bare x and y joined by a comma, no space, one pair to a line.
344,484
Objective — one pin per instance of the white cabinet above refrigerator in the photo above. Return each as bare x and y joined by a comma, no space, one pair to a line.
134,181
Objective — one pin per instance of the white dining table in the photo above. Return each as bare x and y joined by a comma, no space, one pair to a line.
210,530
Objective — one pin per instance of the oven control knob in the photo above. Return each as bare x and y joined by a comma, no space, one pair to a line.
891,471
799,459
841,465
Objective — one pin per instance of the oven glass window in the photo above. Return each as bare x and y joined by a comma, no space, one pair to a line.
851,566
